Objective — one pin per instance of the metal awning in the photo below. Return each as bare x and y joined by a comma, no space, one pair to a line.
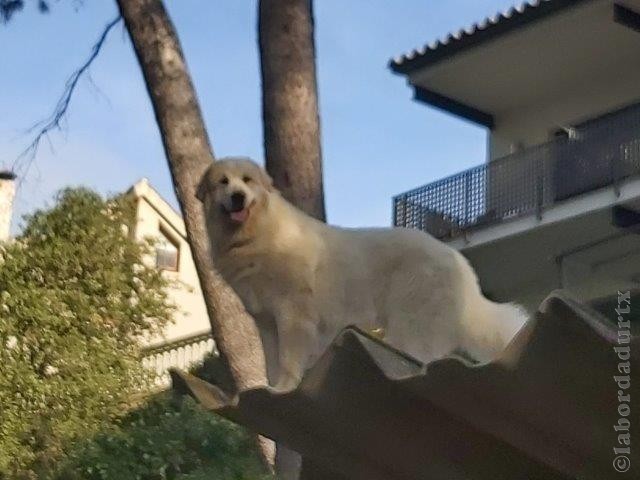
544,410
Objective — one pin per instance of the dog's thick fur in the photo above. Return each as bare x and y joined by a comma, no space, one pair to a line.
304,281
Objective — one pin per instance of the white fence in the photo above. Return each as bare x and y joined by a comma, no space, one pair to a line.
182,353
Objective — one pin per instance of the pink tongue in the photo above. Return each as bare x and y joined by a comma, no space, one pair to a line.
239,216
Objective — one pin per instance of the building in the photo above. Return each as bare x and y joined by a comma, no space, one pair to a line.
7,195
188,339
556,204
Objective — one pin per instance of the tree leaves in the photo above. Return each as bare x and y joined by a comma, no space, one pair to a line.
66,313
166,439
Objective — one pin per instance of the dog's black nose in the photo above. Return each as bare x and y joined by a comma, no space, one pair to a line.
237,201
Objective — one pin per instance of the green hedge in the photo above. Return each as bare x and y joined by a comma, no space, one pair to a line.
166,439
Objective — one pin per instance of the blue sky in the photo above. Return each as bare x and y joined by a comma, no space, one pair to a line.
376,141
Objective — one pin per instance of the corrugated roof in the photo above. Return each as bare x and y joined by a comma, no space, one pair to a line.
489,28
545,409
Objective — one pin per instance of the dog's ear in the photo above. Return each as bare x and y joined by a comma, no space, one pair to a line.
203,186
266,180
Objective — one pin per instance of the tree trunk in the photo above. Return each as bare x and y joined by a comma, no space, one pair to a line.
189,153
290,102
291,125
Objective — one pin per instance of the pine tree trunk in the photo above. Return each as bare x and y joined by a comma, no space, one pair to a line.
290,102
189,153
291,125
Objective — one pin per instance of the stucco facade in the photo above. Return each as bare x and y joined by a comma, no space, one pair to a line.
7,194
187,339
534,124
157,220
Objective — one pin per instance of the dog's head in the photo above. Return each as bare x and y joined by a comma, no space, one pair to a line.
234,188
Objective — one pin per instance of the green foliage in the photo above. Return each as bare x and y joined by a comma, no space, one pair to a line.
166,439
75,297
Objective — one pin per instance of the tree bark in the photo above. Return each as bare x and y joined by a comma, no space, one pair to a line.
189,153
291,125
290,102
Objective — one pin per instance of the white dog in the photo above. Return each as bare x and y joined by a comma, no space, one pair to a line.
304,281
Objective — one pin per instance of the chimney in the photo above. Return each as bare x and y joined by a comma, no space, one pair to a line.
7,193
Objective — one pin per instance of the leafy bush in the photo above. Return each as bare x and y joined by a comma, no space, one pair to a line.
166,439
75,297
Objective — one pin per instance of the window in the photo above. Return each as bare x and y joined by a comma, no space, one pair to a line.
167,252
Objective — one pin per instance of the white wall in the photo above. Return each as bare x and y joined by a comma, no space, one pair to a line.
191,317
533,124
7,194
584,254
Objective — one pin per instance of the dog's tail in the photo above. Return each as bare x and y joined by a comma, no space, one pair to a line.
509,319
491,327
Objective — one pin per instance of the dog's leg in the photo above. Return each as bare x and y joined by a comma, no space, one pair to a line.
269,337
297,343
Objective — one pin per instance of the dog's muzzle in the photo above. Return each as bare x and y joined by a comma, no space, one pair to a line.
238,210
237,201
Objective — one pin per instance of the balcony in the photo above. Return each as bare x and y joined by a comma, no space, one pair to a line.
182,353
596,154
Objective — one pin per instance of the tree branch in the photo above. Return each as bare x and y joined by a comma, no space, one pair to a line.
189,154
53,121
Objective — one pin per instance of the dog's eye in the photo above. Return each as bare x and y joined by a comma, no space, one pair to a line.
224,180
246,179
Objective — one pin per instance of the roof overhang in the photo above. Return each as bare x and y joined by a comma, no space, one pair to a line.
535,52
143,190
